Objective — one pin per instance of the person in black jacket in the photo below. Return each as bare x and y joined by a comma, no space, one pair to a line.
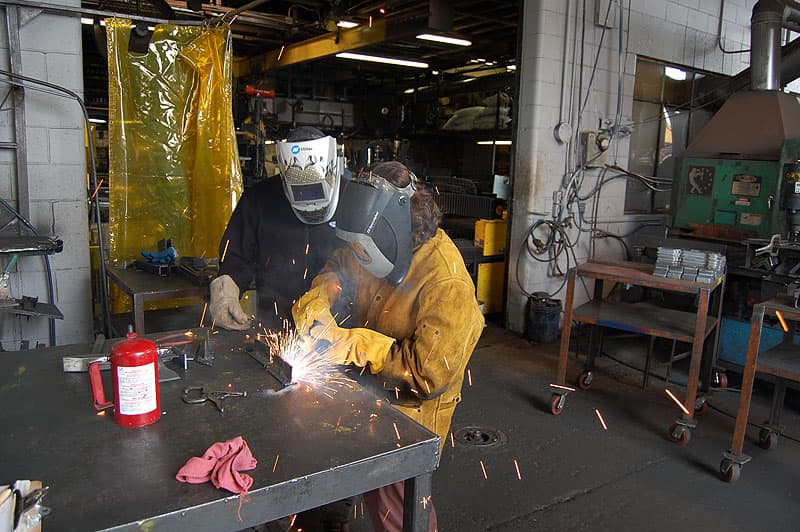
277,244
280,246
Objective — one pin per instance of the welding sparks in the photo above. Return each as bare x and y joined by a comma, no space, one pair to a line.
567,388
291,522
276,307
677,401
338,422
452,440
275,465
224,251
516,466
308,246
782,320
469,377
397,432
305,273
388,511
600,417
425,501
483,468
203,316
446,363
96,189
309,367
280,54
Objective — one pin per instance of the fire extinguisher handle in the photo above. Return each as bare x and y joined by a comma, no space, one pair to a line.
98,393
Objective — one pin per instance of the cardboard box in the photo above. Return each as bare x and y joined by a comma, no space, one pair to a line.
491,236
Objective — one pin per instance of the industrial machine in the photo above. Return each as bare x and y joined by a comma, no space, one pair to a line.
740,177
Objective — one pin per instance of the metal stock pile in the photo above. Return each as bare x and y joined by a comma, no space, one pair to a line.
689,264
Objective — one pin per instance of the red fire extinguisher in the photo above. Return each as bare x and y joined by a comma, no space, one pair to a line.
134,374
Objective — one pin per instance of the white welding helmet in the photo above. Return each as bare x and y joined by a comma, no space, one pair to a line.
311,166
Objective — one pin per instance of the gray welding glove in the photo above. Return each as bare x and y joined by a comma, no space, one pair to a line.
226,311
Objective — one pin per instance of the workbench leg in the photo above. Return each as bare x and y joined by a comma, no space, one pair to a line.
138,315
561,372
698,344
733,459
416,503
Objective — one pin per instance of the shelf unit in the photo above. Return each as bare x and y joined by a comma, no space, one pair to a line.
648,319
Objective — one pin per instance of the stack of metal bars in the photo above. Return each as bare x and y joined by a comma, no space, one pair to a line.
689,264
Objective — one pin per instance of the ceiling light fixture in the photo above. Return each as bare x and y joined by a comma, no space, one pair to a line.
346,24
495,142
445,39
379,59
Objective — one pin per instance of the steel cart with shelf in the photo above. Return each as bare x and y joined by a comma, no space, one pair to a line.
643,318
781,364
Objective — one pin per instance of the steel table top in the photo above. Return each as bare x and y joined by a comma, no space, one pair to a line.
313,446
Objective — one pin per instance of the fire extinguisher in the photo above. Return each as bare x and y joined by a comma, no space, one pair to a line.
134,374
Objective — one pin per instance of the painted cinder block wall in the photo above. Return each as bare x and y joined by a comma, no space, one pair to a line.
51,51
683,32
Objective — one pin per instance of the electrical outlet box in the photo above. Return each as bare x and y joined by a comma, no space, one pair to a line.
601,7
592,156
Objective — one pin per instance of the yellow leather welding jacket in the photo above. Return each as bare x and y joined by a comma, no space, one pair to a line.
432,316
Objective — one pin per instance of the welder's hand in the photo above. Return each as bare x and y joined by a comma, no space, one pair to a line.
312,311
357,346
226,311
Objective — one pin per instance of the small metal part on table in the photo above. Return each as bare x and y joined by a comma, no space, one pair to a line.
275,365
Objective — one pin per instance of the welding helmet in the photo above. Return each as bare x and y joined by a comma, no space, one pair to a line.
311,166
374,217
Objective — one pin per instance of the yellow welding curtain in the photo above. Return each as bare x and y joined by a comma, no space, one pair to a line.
173,163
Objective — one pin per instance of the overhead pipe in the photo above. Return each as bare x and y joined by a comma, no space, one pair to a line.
765,44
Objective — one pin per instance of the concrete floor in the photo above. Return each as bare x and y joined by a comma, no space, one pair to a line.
576,476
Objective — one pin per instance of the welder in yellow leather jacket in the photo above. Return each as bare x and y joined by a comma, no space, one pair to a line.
415,320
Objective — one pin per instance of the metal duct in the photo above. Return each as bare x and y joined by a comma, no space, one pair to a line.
765,44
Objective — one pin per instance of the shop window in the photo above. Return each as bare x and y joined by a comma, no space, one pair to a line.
667,112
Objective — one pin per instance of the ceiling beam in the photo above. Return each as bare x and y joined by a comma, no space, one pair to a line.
326,45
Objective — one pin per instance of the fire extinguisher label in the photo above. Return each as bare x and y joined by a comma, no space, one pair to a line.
137,389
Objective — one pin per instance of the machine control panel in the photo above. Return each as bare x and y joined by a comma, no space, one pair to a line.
746,185
701,180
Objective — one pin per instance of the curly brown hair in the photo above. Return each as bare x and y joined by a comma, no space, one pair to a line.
425,213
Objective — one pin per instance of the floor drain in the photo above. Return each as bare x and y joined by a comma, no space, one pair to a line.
479,436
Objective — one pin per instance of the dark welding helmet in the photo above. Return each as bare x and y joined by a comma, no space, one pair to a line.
374,217
311,166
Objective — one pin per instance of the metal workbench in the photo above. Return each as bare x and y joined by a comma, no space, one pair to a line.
143,287
312,449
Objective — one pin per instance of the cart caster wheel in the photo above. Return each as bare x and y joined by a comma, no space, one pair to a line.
585,380
700,407
557,404
679,434
767,439
729,471
720,379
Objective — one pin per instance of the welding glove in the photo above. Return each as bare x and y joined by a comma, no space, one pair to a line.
314,306
359,346
226,310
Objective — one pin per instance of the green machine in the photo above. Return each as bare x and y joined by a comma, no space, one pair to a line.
739,178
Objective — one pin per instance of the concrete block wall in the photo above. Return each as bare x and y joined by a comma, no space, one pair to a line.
683,32
51,51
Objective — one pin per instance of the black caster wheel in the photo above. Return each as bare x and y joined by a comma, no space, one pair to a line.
700,407
585,380
729,471
557,404
679,434
767,439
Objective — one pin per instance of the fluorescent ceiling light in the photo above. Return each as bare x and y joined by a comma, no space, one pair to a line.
97,121
495,142
379,59
418,89
87,21
675,73
347,24
443,38
511,67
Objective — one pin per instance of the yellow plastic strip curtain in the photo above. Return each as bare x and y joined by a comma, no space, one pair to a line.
173,163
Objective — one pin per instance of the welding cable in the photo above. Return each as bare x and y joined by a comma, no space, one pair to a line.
50,289
58,90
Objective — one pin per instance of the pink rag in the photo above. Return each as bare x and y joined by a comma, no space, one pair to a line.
222,464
